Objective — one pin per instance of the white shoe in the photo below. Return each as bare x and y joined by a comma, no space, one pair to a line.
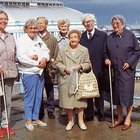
40,123
30,127
69,126
82,126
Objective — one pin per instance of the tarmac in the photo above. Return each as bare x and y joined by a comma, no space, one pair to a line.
55,130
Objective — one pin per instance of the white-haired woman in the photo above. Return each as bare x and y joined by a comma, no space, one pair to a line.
62,37
32,54
122,53
63,40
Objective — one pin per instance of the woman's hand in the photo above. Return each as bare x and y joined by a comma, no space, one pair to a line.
108,62
67,70
77,67
126,66
42,63
1,69
34,57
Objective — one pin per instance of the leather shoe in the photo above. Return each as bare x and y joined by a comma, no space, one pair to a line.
51,115
101,119
125,127
116,124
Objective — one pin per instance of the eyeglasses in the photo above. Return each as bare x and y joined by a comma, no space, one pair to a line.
33,28
89,21
5,19
117,23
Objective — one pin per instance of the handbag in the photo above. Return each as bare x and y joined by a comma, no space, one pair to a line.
87,86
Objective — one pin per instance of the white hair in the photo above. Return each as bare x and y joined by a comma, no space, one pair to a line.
92,16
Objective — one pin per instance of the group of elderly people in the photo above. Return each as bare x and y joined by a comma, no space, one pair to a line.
37,51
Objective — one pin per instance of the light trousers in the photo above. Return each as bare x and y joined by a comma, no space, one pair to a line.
33,85
8,86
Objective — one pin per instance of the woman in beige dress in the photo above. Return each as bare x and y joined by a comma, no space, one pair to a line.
72,59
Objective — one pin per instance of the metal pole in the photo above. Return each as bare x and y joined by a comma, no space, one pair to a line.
111,98
5,104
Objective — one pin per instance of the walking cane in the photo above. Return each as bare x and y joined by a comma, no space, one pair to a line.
111,98
5,103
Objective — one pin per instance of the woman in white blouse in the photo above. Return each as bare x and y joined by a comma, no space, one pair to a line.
32,55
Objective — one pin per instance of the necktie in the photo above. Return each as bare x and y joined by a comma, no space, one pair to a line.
90,35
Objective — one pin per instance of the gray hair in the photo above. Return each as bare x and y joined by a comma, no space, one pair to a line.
44,18
30,22
120,18
92,16
75,31
3,12
63,21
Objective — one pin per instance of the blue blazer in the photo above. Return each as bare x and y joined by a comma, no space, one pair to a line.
96,49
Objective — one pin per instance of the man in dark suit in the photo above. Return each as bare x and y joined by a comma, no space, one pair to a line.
95,41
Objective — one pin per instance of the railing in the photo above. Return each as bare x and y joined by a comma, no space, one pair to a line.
26,3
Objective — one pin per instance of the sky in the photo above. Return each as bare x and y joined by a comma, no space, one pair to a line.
105,9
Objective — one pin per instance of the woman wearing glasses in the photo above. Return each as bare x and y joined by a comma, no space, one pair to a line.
8,70
122,53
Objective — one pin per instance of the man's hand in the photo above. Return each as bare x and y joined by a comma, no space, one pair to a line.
108,62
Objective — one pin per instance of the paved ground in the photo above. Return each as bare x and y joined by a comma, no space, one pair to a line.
56,128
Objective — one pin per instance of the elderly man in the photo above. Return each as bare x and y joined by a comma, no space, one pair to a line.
50,70
95,41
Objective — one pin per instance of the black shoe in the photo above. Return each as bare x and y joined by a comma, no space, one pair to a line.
101,119
41,114
101,116
89,119
41,117
51,115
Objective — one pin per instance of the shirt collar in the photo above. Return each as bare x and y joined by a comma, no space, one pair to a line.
42,35
92,32
61,37
2,36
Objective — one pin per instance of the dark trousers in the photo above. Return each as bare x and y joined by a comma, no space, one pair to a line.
50,100
99,104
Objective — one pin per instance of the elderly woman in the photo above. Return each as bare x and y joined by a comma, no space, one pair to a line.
8,69
62,37
122,53
73,57
32,54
